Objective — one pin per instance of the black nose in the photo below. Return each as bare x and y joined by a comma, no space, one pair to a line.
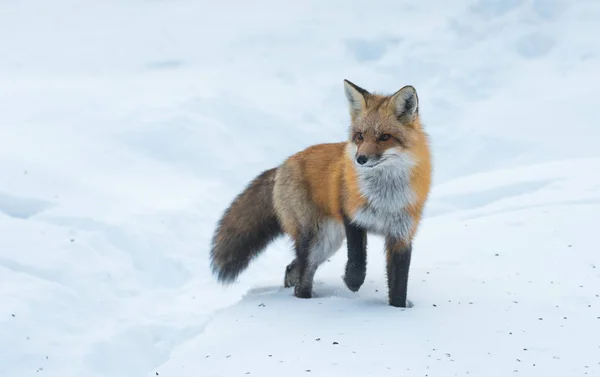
362,159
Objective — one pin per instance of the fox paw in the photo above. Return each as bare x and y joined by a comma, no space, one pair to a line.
302,292
354,281
291,275
400,303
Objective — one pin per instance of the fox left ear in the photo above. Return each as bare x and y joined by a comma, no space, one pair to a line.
357,98
406,104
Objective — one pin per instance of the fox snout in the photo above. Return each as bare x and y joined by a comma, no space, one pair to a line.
367,160
366,154
362,159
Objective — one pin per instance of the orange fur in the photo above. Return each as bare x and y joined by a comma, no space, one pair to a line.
420,180
325,166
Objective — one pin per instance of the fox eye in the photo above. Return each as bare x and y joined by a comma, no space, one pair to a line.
384,137
359,136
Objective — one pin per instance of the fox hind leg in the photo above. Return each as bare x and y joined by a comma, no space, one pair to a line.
315,237
311,251
301,269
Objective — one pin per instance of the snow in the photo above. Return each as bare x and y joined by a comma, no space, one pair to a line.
127,127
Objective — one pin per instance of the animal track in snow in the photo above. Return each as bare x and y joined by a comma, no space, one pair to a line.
534,45
21,208
472,200
36,272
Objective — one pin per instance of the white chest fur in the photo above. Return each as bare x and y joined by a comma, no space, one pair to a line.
388,192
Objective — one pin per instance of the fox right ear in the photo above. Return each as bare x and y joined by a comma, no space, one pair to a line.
356,97
405,103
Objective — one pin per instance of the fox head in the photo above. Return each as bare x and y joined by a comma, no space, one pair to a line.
382,127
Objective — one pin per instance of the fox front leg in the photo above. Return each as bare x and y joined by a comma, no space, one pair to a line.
356,266
398,265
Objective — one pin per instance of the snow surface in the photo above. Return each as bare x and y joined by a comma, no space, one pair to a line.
127,127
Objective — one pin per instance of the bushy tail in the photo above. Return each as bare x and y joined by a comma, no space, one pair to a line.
246,228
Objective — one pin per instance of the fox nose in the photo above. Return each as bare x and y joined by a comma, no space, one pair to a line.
362,159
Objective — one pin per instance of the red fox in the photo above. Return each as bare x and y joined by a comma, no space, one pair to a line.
376,182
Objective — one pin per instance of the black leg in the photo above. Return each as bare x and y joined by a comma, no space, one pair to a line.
356,266
304,272
398,265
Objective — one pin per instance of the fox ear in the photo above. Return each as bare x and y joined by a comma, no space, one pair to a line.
356,97
405,104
